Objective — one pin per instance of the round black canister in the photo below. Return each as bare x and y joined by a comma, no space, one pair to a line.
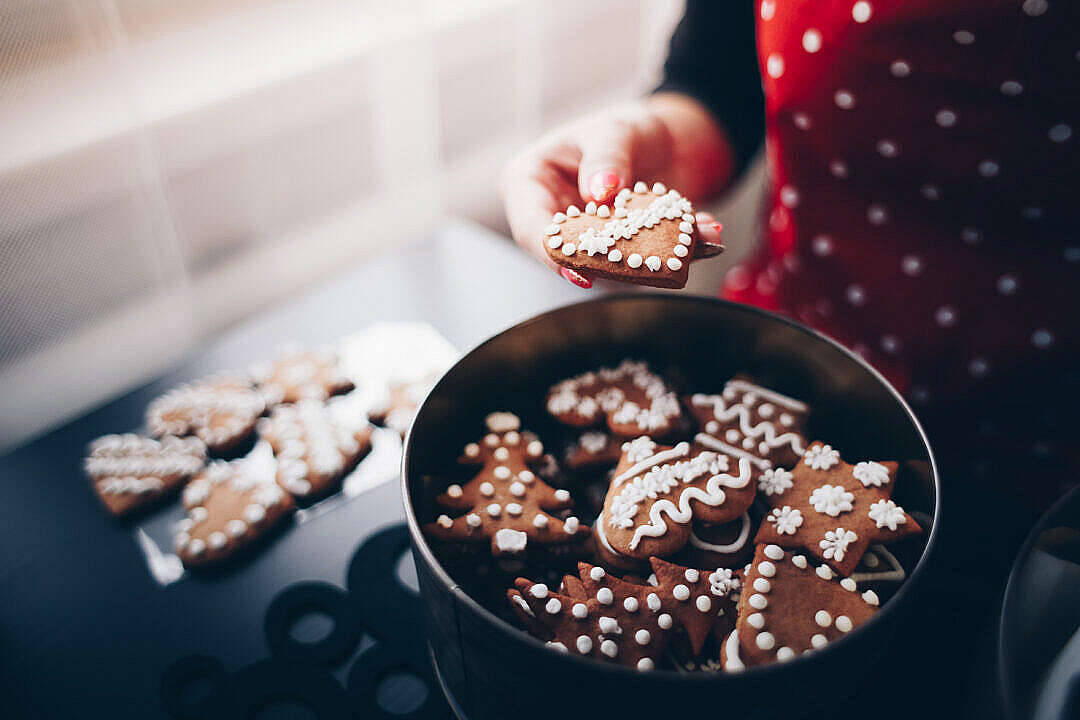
495,670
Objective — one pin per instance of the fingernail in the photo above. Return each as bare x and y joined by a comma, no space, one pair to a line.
603,184
717,227
576,278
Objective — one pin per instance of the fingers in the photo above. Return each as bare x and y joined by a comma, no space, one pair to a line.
712,244
606,160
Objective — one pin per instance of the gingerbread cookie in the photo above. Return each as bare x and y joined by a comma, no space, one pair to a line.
647,236
789,607
506,504
300,375
719,544
220,411
699,600
630,398
593,448
229,505
752,420
130,472
657,491
315,446
834,510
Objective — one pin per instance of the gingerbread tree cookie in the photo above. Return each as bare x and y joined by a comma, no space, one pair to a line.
834,510
506,504
316,445
229,505
629,398
657,491
647,236
752,421
130,472
220,411
301,375
789,607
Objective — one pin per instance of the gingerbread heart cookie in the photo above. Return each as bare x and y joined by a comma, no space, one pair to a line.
647,236
657,491
630,398
834,510
300,375
506,504
130,472
230,505
753,420
789,607
220,411
316,445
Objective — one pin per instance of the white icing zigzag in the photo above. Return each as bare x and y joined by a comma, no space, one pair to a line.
724,413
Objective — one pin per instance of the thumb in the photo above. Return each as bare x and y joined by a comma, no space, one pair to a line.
606,162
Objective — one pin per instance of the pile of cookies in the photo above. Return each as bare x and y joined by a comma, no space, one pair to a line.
721,538
201,438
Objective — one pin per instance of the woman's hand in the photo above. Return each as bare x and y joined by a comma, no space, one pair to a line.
668,137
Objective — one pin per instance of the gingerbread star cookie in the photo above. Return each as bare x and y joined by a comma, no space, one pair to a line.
220,411
130,472
629,398
506,504
834,510
647,236
789,607
752,421
658,490
229,505
316,445
301,375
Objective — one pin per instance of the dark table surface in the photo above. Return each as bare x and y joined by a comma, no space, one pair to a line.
83,626
84,629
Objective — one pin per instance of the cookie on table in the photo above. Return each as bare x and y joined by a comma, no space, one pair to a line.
300,375
315,445
647,236
593,448
230,505
630,399
130,472
657,491
834,510
220,411
789,606
753,420
506,506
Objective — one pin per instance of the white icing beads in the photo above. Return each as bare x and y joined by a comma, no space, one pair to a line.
445,521
653,601
774,552
843,623
580,611
674,264
539,591
634,260
553,606
562,495
517,489
664,621
766,568
704,604
597,573
765,640
571,525
755,620
494,510
823,618
608,625
681,593
473,520
818,640
784,654
643,637
540,521
604,596
584,644
487,489
631,604
758,601
692,575
454,491
609,648
645,664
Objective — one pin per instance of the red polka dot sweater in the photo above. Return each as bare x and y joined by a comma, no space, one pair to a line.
924,159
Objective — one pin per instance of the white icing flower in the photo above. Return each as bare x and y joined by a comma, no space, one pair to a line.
592,242
562,401
593,442
836,543
787,520
821,457
627,413
886,513
610,399
587,407
639,448
774,481
722,582
832,500
871,473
